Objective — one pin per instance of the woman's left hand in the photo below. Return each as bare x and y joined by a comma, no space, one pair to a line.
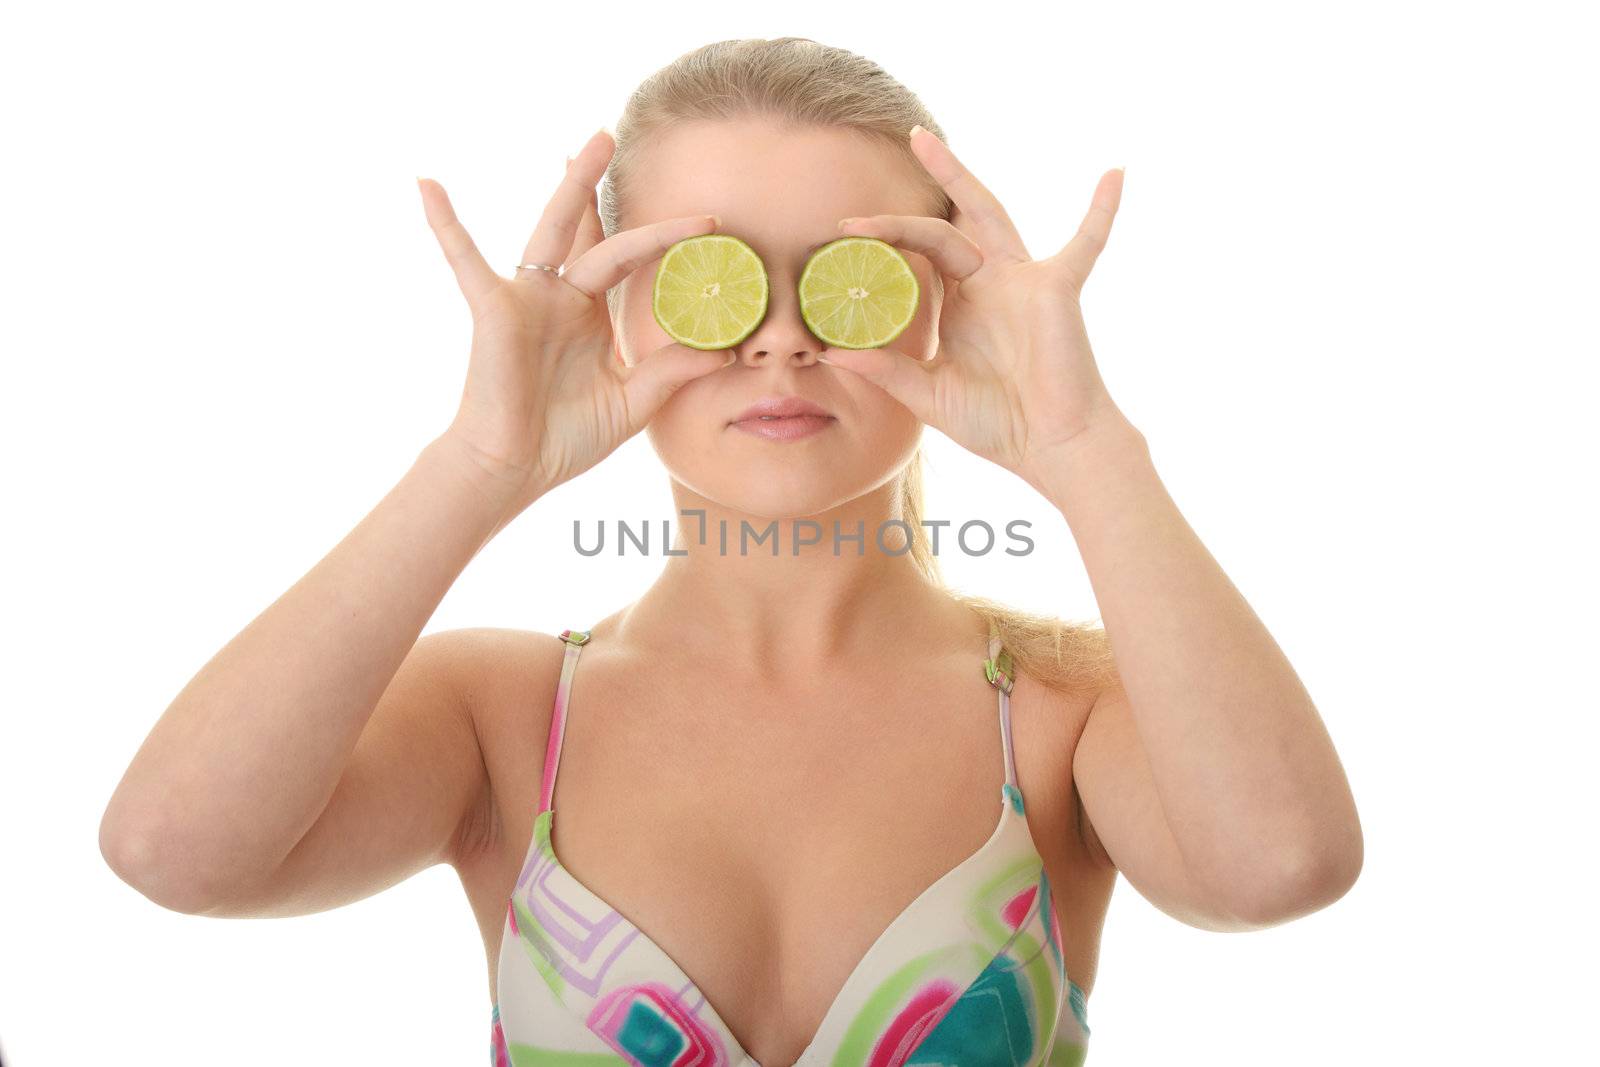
1013,378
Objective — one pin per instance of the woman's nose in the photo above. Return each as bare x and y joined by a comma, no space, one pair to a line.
781,335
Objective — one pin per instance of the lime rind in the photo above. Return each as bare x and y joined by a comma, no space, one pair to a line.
710,291
858,292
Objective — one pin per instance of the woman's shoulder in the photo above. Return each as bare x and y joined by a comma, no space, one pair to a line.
494,660
507,680
1070,659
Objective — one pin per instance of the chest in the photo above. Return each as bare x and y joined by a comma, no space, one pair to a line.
765,840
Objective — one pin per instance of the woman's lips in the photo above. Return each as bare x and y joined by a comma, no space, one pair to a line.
787,428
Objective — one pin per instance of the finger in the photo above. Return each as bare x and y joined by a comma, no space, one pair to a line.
984,219
1079,255
661,373
952,252
907,380
473,273
619,255
558,225
590,232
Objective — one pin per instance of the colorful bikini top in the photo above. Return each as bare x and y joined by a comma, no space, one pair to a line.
970,973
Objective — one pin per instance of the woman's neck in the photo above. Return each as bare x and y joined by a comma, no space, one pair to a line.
775,596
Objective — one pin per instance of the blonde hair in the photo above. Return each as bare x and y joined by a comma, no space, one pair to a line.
798,81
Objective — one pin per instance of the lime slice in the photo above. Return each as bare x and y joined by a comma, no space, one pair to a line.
710,291
858,292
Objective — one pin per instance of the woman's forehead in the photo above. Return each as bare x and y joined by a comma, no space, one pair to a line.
751,173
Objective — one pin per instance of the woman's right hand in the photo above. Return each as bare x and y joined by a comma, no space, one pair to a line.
545,398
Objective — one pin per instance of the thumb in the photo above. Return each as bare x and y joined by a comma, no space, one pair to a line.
652,380
904,378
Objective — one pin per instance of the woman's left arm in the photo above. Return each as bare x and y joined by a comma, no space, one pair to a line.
1206,773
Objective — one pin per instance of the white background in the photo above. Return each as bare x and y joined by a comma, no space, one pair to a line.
1350,299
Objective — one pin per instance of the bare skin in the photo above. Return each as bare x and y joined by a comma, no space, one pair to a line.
728,853
751,725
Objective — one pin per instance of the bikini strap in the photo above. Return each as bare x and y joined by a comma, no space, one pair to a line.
1000,672
574,640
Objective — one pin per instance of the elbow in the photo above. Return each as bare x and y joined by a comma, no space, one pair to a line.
149,860
1313,878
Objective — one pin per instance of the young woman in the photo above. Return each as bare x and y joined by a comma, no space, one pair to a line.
816,807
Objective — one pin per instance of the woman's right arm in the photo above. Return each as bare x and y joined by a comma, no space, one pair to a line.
325,752
256,746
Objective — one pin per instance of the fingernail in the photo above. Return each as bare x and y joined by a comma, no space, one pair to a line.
732,357
825,359
715,220
914,130
847,222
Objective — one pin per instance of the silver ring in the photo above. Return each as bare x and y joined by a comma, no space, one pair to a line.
539,266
